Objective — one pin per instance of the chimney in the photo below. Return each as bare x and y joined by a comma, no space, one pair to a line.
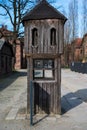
4,26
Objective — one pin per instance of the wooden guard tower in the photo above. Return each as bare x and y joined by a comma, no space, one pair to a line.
44,37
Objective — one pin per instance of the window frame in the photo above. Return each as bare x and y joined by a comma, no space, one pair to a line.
34,36
44,70
53,36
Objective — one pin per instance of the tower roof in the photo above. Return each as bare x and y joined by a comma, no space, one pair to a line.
44,11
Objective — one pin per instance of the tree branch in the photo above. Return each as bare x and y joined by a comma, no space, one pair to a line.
3,14
4,7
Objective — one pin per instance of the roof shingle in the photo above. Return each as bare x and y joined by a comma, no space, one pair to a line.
44,11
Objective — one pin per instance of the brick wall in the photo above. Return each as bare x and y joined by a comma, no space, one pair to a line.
18,55
20,59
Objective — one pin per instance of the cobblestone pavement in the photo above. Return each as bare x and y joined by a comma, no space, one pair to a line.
73,101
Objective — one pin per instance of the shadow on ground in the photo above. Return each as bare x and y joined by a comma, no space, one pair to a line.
9,79
68,102
72,100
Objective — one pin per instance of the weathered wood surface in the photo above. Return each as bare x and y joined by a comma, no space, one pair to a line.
40,56
46,98
47,93
61,36
29,79
44,44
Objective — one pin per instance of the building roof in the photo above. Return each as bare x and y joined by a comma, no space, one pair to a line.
77,42
5,43
5,32
44,11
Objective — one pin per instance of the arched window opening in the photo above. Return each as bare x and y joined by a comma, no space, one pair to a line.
53,36
34,37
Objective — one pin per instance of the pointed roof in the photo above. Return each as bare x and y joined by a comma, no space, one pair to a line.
44,11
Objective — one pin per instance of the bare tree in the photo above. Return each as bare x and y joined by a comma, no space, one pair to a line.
66,41
73,20
37,1
84,27
15,10
50,1
67,31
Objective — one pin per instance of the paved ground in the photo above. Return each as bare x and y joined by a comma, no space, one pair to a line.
74,107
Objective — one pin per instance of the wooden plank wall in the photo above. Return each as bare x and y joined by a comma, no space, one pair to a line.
46,98
44,27
47,94
61,37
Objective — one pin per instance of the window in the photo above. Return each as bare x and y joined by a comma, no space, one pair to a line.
53,36
34,37
43,69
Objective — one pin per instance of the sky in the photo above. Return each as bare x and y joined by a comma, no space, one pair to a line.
63,4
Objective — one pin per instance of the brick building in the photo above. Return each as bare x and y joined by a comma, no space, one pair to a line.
76,48
84,47
5,33
72,52
20,58
66,58
18,47
6,57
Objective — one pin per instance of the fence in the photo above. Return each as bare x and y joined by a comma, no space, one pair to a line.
79,67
